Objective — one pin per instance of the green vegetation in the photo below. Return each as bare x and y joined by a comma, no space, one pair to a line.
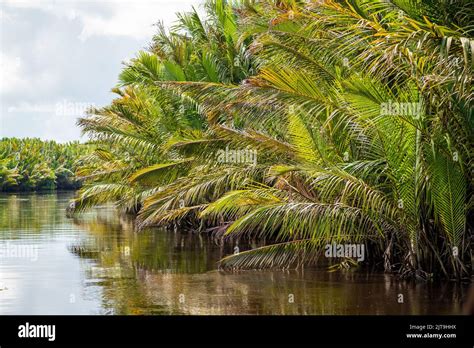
33,164
360,113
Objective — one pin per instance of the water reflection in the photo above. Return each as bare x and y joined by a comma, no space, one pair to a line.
97,264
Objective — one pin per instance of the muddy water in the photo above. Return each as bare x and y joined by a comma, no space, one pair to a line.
96,264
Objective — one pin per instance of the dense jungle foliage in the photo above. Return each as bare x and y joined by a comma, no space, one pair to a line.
34,164
298,124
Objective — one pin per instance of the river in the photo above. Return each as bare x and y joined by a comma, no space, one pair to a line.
95,263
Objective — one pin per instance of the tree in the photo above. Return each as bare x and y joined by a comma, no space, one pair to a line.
360,113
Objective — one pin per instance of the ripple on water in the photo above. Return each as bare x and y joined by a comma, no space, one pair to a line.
95,263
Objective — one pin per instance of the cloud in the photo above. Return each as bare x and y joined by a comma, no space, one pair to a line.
16,79
4,16
11,80
132,19
51,51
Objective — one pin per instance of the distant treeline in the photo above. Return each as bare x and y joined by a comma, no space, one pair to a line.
32,164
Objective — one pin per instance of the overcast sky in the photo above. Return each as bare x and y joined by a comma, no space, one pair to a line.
58,57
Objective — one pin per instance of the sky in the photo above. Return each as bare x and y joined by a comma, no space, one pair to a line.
57,58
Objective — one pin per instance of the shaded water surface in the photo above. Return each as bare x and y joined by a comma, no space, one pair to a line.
96,264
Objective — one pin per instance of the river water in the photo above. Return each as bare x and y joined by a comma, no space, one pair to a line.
96,264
